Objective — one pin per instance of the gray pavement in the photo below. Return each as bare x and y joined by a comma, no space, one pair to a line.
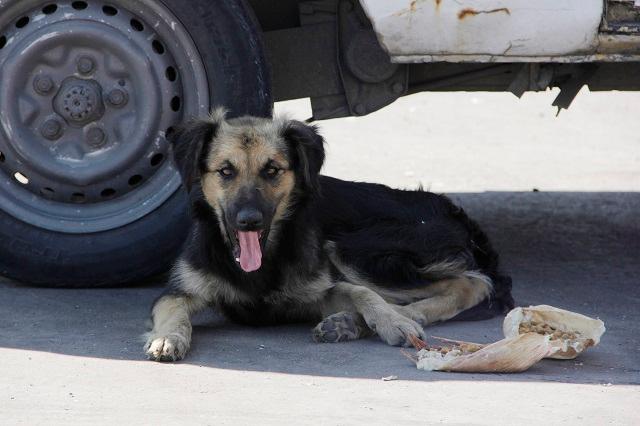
75,356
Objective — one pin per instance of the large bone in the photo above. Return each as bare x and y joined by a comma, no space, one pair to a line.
512,355
570,332
531,334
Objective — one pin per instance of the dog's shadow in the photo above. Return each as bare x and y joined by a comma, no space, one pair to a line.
109,324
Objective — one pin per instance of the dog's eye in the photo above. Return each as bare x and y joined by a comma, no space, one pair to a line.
226,172
271,171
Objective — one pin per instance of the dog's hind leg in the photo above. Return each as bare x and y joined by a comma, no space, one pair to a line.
448,298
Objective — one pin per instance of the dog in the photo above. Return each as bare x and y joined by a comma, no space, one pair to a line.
274,242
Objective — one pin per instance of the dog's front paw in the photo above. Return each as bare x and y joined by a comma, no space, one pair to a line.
172,347
395,328
338,327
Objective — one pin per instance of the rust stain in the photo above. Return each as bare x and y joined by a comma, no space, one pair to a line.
466,12
413,6
470,12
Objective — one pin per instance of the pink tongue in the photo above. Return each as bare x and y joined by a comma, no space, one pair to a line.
250,253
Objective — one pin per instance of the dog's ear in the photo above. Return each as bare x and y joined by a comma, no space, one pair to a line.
191,142
307,149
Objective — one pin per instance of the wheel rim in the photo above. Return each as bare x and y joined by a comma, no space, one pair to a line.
83,128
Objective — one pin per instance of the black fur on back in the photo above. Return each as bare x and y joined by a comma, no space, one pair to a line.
394,236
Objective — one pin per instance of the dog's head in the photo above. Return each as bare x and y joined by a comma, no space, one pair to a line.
252,172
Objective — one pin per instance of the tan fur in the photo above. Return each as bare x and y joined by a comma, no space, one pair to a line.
248,149
171,335
205,286
448,298
304,293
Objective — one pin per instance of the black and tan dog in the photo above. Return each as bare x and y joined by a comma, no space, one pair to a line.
273,241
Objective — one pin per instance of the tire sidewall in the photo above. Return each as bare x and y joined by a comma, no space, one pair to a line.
237,53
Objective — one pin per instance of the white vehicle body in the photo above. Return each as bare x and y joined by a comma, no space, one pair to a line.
415,31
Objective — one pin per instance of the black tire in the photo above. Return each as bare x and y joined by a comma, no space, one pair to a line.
226,36
115,257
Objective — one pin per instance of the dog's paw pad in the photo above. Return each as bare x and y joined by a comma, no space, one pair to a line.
335,328
166,349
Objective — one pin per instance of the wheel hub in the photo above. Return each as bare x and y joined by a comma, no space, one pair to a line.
79,101
89,92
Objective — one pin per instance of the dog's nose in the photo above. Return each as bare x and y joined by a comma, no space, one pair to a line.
249,219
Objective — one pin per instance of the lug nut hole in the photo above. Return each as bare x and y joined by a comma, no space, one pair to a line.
175,103
79,5
157,47
109,10
135,180
156,159
22,22
136,25
1,157
171,74
49,9
108,193
3,41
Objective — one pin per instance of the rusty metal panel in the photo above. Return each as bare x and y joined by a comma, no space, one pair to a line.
485,30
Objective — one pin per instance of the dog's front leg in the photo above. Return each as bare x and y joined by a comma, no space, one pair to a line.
392,327
170,338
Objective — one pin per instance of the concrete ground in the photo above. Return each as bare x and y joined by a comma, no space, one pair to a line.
75,357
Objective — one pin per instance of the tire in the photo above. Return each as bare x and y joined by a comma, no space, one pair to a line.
122,218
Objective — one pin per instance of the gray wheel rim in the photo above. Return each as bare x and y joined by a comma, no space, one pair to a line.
83,124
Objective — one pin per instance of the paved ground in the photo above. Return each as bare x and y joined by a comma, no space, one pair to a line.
74,356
